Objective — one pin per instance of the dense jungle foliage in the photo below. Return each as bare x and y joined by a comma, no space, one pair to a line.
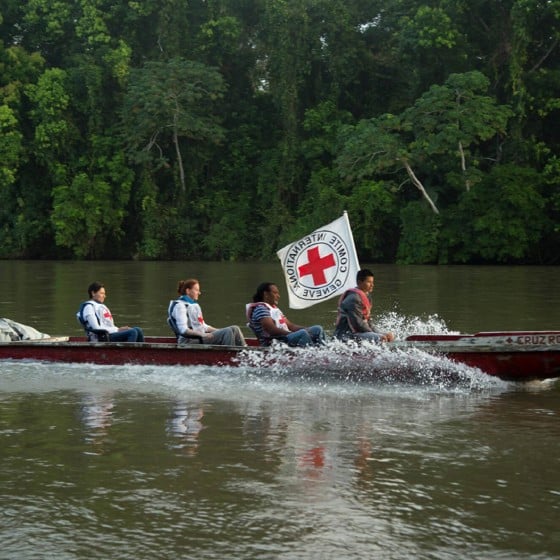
224,129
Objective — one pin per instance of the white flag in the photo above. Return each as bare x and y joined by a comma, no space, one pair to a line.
321,265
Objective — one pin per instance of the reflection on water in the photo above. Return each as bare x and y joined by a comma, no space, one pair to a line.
185,425
137,462
96,413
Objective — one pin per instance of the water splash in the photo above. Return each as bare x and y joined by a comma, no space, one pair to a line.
372,363
402,326
365,363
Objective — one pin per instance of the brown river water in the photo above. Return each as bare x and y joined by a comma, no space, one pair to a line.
141,462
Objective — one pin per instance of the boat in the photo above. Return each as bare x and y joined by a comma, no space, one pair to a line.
510,355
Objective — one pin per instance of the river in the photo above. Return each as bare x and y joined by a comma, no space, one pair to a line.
135,462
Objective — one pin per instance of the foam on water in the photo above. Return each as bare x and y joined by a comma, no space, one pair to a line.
366,363
247,383
381,364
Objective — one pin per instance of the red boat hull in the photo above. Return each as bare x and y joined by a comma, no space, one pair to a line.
155,351
512,355
519,356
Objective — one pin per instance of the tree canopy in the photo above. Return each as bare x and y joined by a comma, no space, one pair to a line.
224,129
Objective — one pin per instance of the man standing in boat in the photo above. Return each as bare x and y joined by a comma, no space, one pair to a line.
354,313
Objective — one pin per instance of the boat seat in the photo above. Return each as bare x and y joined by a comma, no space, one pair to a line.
102,334
178,334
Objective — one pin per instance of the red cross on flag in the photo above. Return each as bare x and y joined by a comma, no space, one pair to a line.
321,265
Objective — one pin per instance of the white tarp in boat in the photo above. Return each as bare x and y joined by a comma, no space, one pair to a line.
11,331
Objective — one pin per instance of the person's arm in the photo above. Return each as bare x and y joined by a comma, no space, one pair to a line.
91,318
197,320
292,326
270,327
180,314
207,328
385,336
196,326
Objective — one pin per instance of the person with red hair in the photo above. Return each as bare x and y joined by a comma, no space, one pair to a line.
187,322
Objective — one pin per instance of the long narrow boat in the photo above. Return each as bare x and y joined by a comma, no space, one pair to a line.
515,355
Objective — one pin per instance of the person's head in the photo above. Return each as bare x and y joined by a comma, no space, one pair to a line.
365,280
96,291
190,287
267,292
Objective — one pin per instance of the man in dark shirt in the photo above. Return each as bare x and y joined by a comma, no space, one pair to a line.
354,312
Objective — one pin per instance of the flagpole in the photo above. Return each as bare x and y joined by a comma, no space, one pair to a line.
347,220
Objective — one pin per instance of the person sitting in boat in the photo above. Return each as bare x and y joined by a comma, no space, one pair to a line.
96,319
354,313
268,322
186,320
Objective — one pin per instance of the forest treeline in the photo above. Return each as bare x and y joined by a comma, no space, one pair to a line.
224,129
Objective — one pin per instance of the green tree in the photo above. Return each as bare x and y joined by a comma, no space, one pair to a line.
21,218
89,210
379,148
167,103
551,241
445,121
10,147
455,118
50,101
171,126
302,94
499,220
420,235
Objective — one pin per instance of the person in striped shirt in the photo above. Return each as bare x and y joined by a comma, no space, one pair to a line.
268,322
